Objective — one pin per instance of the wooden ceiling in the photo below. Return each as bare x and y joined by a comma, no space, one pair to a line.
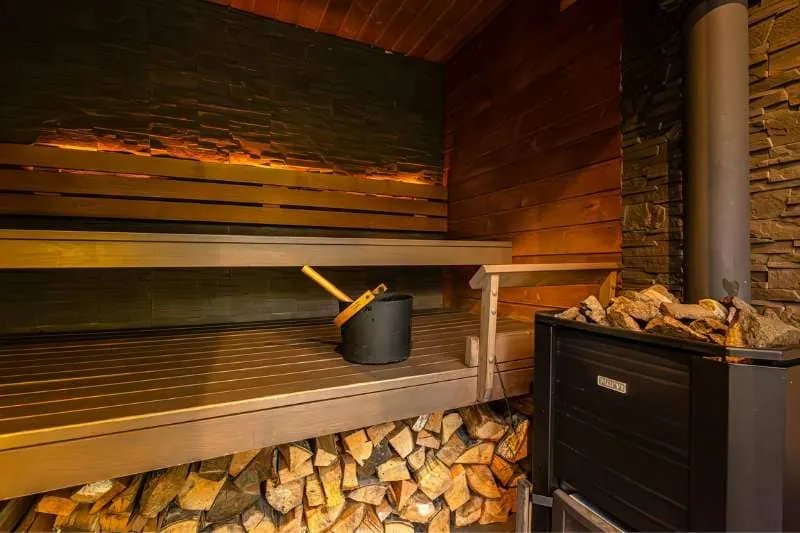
427,29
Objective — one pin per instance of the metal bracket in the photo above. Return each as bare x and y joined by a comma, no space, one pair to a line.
542,500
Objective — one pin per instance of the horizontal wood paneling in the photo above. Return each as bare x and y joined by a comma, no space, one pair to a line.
74,183
430,30
533,144
43,156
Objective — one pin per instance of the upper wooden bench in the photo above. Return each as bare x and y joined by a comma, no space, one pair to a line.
90,249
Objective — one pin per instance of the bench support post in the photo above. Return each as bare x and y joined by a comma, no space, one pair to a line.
489,279
486,344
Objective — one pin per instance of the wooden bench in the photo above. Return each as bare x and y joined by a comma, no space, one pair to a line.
78,407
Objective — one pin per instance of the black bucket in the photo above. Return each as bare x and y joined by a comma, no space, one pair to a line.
380,333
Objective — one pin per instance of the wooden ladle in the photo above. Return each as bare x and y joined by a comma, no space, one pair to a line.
355,306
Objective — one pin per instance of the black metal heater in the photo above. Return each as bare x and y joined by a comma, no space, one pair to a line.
664,434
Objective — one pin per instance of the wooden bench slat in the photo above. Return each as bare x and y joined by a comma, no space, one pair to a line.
164,188
42,156
85,249
53,205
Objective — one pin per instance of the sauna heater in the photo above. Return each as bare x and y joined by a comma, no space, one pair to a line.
665,434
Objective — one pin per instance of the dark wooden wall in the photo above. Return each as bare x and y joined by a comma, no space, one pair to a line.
193,79
532,141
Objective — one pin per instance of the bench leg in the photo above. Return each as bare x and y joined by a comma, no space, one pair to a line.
486,349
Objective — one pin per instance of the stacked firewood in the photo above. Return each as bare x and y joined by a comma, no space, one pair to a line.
434,472
730,322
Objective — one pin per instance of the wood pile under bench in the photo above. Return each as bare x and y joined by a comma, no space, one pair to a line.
88,404
442,470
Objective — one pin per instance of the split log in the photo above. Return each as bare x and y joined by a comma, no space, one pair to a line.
315,494
450,424
358,445
230,502
458,493
479,454
481,480
124,501
291,522
522,452
452,450
349,473
416,459
203,485
82,519
259,469
350,518
14,511
240,460
326,453
319,519
56,503
502,470
402,440
384,510
229,527
433,478
482,424
419,509
379,432
177,520
401,491
394,469
116,523
92,492
284,497
419,423
398,526
295,454
260,518
493,512
440,523
371,522
35,522
470,512
380,454
118,487
287,475
510,445
428,440
139,524
371,494
434,424
331,478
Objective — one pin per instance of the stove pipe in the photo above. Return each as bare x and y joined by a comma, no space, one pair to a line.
717,185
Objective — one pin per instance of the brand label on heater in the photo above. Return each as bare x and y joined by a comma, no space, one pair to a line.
612,384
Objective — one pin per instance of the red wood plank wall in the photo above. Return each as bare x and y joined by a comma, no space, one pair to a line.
532,142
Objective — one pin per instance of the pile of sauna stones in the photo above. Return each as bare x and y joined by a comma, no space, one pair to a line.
730,322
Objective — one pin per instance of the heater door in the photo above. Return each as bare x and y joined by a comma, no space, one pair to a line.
621,428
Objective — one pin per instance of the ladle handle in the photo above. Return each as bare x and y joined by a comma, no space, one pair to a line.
325,284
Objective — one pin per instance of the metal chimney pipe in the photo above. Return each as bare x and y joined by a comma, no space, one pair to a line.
717,232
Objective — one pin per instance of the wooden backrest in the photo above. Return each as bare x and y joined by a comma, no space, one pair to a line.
39,180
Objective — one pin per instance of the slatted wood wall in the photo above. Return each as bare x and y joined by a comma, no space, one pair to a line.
532,142
54,182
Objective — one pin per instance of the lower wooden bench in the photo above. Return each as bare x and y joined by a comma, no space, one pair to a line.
75,408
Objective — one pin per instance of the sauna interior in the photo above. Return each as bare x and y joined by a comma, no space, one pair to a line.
167,167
